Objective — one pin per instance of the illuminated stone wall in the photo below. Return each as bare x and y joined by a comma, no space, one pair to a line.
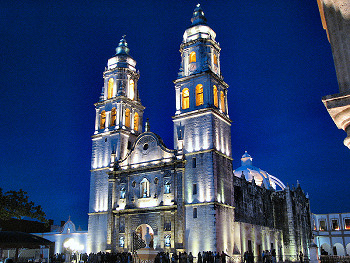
225,233
252,203
222,166
200,231
260,237
203,130
97,232
282,216
102,147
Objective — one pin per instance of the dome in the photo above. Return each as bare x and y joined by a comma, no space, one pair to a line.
260,177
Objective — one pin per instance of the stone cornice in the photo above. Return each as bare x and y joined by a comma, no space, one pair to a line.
110,132
210,203
145,210
176,164
98,213
202,40
118,70
207,72
99,169
135,103
203,111
210,150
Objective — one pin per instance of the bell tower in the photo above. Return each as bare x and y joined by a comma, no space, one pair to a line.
118,122
202,132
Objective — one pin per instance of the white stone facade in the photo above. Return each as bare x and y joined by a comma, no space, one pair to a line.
188,197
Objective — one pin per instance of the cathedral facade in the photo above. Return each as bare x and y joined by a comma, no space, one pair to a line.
188,198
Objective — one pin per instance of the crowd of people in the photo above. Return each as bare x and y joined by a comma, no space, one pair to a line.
266,257
127,257
166,257
100,257
204,257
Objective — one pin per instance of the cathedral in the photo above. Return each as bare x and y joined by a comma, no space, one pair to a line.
188,198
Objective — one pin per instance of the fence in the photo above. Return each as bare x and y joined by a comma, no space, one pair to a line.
334,259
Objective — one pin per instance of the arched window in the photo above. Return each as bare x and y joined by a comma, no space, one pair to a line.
222,101
103,120
215,94
136,122
144,188
127,118
199,94
185,98
113,116
110,88
192,57
215,60
131,89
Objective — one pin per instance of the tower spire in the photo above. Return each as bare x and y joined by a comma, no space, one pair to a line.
122,48
198,17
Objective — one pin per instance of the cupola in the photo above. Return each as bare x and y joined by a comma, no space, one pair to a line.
246,159
122,59
199,28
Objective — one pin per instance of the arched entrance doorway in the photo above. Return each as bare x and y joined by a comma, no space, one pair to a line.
141,231
338,250
325,249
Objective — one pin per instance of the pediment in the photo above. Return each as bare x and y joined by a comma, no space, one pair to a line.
148,149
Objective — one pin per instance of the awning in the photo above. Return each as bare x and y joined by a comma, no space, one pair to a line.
13,239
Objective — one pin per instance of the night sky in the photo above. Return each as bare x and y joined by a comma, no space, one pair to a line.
275,57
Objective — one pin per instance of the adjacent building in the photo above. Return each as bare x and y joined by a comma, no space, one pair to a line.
335,16
332,233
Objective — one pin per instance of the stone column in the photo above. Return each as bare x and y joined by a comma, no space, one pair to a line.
335,16
292,245
96,121
314,253
110,221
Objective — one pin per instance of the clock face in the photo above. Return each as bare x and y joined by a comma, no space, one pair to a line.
192,67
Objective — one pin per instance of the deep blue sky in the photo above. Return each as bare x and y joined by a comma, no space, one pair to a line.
275,57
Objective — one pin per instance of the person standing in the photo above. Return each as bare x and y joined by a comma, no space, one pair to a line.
301,257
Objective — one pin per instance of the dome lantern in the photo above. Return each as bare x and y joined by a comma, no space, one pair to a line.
122,48
198,17
246,159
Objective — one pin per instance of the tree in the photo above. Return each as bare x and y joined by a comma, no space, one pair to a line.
16,204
